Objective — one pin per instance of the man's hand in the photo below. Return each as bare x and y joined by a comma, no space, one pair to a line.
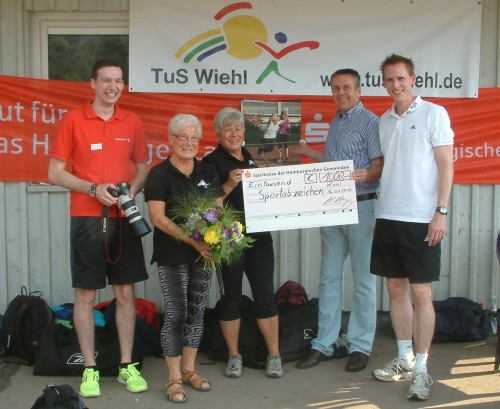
437,229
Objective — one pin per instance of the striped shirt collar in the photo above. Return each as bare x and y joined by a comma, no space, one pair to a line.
355,110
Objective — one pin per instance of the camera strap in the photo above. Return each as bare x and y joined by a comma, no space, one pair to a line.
105,227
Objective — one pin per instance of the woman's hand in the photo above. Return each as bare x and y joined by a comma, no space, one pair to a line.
232,181
202,247
234,177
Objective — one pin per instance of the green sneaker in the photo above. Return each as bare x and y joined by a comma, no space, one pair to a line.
131,377
90,384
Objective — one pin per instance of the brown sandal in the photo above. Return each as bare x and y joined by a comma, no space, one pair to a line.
177,391
196,382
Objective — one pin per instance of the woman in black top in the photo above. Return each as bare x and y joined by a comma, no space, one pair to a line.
257,263
184,280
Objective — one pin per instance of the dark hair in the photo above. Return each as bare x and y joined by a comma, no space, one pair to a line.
102,64
394,59
348,71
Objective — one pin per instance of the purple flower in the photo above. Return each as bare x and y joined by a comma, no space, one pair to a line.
196,235
236,228
226,233
193,220
210,215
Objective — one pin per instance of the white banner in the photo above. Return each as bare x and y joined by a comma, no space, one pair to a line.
291,47
300,196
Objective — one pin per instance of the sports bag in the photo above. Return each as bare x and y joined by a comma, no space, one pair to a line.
58,353
298,326
459,319
59,397
250,341
291,292
26,318
145,309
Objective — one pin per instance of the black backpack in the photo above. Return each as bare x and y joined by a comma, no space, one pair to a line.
26,318
291,292
459,319
59,397
250,341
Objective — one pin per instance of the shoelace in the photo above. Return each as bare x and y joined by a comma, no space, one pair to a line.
90,374
274,362
421,379
397,365
235,362
132,371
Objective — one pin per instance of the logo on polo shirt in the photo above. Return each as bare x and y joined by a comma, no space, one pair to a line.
203,184
251,162
413,127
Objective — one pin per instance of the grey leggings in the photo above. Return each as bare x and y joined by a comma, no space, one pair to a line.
185,290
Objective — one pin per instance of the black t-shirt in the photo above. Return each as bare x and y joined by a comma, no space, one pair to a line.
224,162
164,183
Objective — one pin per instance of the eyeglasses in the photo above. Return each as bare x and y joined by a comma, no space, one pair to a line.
185,138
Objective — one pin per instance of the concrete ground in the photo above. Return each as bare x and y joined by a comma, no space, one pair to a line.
462,372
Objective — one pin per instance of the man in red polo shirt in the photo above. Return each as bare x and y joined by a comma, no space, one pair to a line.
106,145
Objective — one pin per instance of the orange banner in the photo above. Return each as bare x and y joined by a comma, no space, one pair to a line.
30,111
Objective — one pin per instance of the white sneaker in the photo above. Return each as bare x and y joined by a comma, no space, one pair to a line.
234,367
273,367
420,386
395,370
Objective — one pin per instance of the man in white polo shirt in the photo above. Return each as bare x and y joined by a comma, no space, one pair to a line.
417,143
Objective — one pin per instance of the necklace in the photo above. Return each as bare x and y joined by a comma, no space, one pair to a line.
179,167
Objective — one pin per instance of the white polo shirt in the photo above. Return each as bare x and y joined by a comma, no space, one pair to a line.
409,182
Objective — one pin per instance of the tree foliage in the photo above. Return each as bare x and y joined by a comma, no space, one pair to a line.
71,56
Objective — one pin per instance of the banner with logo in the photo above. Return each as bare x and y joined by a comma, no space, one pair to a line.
291,47
30,110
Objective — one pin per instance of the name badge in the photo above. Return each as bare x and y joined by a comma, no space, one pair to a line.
95,146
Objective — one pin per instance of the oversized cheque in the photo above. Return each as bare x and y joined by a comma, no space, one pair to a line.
300,196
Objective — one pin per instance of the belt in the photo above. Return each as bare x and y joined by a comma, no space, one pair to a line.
366,196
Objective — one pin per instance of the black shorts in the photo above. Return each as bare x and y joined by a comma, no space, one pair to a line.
399,250
95,257
283,139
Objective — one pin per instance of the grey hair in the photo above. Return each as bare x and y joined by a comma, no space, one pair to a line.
181,120
227,116
274,116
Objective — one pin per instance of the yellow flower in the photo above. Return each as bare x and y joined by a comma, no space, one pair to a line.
212,236
239,227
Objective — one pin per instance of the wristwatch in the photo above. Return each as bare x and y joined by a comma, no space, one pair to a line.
443,210
93,189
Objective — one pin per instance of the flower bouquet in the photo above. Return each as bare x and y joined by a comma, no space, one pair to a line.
221,228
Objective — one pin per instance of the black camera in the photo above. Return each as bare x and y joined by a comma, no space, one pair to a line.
134,217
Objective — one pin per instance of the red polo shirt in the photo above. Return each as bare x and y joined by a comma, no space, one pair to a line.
100,151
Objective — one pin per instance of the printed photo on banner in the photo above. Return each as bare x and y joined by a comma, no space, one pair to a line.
271,130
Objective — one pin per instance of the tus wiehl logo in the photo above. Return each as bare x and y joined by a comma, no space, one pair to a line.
242,36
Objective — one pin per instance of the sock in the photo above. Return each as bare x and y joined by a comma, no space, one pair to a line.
124,365
405,349
421,363
94,367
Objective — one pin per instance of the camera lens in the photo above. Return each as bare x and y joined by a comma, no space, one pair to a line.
134,217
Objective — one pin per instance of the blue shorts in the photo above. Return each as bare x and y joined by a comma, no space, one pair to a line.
399,250
97,258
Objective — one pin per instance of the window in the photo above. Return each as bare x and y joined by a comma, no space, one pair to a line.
71,56
65,45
